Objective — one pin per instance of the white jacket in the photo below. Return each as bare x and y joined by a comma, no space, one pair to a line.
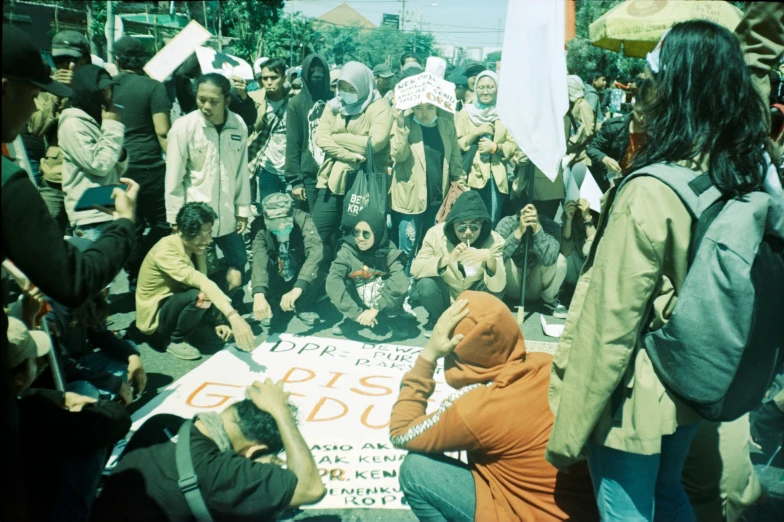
91,158
202,166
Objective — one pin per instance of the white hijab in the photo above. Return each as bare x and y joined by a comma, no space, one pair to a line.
359,76
478,111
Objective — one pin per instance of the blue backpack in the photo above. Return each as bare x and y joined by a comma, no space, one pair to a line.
724,343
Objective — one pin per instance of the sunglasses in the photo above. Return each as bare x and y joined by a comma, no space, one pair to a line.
62,60
473,227
362,233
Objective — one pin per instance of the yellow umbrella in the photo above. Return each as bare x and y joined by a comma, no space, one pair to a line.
639,24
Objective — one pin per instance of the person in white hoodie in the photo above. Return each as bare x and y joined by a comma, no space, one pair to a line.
207,161
91,138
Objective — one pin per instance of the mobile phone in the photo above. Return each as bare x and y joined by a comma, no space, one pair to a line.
96,197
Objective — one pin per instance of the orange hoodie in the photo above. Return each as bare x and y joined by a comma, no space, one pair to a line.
499,415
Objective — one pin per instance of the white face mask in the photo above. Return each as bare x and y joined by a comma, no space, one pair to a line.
431,123
349,98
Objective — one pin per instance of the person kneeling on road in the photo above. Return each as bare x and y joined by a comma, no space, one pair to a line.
233,455
368,275
174,292
507,476
464,253
546,267
287,260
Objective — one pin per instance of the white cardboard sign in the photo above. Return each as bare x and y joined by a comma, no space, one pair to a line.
425,88
344,390
174,53
228,65
585,188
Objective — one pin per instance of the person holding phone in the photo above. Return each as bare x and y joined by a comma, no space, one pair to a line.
91,138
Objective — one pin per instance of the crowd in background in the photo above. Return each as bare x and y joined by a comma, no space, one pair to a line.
308,185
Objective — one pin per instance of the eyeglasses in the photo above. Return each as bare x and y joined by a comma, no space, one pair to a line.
62,60
485,89
362,233
473,227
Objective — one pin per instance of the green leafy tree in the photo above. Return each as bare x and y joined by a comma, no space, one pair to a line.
248,22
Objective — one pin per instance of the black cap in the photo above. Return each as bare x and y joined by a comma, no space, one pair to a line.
458,78
474,68
382,70
128,46
23,62
70,43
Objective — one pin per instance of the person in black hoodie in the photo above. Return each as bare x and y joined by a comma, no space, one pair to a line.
614,146
463,253
368,275
303,156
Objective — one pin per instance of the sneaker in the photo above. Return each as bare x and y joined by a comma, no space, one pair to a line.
557,310
407,307
266,322
427,330
309,318
338,329
183,351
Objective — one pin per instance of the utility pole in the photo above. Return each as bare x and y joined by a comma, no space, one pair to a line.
403,17
204,10
110,31
291,35
220,27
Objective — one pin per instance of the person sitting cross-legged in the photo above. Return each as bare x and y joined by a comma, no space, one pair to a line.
464,253
499,415
368,275
174,293
287,260
546,266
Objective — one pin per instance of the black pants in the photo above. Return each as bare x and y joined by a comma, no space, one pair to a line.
150,212
327,213
277,287
433,294
179,317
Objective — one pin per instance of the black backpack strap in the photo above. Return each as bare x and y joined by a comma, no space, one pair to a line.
189,482
11,170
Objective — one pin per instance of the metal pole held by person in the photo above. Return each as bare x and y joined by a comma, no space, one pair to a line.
529,191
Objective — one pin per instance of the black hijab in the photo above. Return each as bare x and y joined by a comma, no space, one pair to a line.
375,256
87,82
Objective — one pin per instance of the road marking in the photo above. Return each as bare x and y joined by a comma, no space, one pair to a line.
541,346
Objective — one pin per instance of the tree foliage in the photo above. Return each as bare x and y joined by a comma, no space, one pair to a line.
247,21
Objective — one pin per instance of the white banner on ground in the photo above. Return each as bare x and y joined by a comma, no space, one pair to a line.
425,88
532,97
580,183
344,390
164,63
229,66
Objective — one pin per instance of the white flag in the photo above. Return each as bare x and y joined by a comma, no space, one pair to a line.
533,98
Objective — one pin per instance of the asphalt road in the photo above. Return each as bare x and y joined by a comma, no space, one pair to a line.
163,369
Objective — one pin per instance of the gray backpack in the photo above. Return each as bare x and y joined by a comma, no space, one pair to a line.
724,342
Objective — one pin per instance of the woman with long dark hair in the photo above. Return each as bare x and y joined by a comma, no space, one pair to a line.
701,112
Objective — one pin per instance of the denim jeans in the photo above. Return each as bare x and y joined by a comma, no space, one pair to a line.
99,362
408,231
233,248
92,231
494,200
438,488
631,487
268,183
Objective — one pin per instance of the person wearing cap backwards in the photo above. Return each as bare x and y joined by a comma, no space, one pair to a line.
472,70
34,243
507,477
175,293
65,437
145,108
70,51
459,78
385,82
287,260
303,156
91,137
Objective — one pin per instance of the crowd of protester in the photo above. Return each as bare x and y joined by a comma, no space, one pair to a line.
223,186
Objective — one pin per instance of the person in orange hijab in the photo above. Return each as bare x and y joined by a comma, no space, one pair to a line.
499,415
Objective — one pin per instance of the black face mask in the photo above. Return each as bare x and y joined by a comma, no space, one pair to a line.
316,85
317,77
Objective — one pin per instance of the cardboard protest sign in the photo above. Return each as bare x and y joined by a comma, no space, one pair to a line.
229,66
174,53
344,391
580,183
425,88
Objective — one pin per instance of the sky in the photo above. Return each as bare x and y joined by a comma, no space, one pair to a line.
464,23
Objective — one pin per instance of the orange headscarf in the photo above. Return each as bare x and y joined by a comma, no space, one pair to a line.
492,348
